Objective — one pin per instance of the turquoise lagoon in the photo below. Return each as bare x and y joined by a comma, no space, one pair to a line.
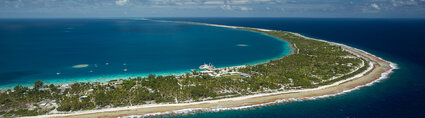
88,50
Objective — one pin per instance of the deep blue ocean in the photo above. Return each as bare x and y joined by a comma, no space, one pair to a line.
401,41
47,49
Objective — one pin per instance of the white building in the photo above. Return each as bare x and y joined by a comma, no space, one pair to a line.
207,67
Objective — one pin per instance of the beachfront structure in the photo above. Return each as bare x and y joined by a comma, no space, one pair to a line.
65,86
224,73
207,67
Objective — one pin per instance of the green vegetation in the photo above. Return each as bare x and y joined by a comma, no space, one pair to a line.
312,64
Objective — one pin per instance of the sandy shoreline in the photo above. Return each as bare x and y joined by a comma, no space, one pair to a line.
379,69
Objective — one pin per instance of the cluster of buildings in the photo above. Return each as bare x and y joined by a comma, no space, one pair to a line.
218,72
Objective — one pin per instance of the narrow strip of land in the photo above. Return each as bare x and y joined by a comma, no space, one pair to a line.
379,69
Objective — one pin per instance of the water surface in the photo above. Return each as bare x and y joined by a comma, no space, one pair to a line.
74,50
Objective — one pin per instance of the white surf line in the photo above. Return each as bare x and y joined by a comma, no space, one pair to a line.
217,109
